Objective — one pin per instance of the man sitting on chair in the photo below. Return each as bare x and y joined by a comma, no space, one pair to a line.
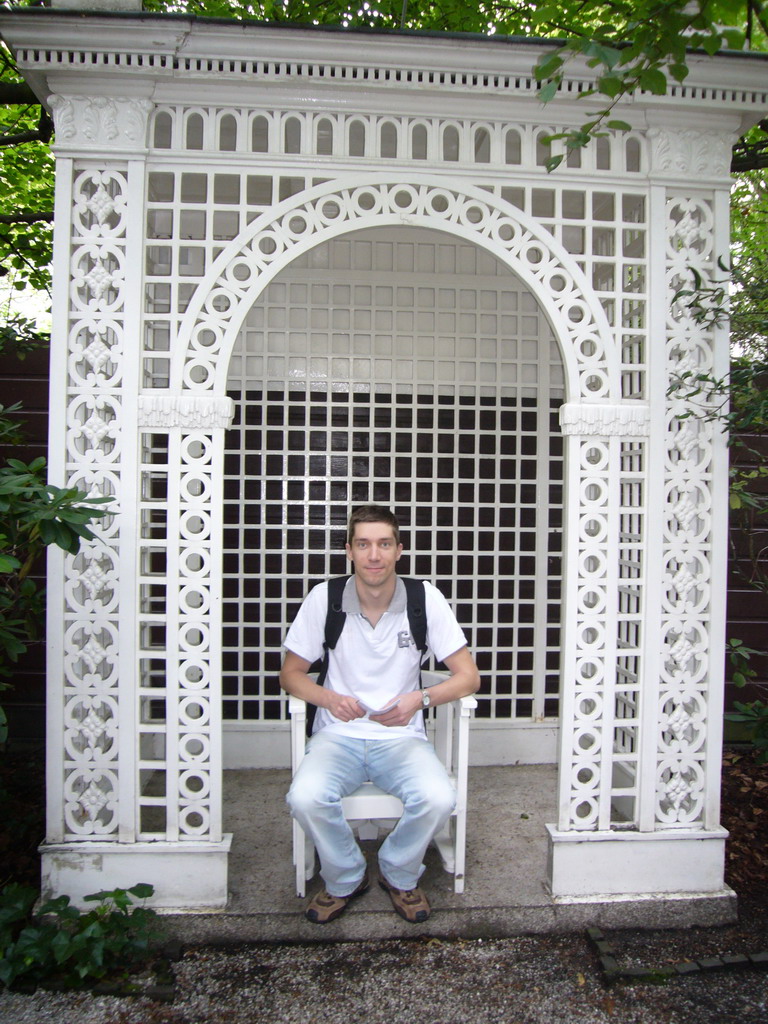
369,726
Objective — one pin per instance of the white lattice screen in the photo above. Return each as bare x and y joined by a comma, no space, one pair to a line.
406,368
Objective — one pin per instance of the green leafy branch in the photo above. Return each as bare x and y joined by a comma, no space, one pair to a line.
19,335
33,515
708,305
632,47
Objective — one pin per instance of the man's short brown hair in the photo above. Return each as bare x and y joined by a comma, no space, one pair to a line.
372,514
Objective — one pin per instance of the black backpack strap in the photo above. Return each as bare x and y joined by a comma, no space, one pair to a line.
334,617
334,623
417,612
417,618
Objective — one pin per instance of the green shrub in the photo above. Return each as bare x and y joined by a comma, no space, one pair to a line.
63,945
33,515
753,714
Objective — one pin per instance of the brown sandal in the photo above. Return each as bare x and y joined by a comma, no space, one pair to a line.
411,904
324,908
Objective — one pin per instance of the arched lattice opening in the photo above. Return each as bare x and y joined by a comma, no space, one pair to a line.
407,367
550,290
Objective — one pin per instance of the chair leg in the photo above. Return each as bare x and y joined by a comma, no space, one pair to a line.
445,843
309,858
451,843
460,833
303,858
299,859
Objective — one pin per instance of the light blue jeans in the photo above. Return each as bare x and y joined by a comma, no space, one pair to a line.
333,767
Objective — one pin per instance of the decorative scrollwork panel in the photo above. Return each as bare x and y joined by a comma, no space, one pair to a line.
687,535
94,439
600,725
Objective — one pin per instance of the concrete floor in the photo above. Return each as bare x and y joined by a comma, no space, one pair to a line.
505,875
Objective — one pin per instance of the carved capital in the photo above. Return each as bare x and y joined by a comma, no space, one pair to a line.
101,122
690,153
605,420
190,412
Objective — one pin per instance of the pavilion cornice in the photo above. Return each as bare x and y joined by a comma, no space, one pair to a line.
168,49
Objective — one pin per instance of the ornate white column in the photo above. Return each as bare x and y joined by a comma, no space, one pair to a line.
640,763
182,629
605,575
94,761
695,488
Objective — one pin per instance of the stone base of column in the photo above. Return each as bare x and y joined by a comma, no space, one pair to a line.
188,876
584,865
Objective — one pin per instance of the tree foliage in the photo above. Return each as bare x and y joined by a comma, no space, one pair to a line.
26,181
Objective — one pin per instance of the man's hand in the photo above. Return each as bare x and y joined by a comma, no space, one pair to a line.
402,712
345,708
294,679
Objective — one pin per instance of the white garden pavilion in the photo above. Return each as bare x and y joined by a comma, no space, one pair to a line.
301,269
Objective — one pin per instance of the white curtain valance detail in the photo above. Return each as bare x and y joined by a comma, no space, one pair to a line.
605,420
198,412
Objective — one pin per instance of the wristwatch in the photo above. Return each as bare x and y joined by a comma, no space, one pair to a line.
425,698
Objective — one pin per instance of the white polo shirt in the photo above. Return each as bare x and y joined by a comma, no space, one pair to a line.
373,664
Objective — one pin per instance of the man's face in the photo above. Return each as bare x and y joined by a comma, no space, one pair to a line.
374,553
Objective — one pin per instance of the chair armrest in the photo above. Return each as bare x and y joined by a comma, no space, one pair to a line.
297,709
430,678
452,732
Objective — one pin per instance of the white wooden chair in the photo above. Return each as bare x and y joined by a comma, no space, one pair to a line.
369,807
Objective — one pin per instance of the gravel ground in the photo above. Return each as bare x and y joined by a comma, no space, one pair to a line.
542,979
525,980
